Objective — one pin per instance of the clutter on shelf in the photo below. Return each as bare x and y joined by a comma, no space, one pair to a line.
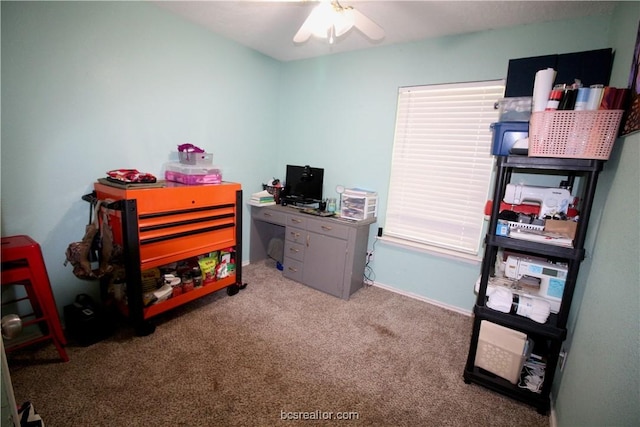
274,187
195,167
168,281
130,176
189,154
262,198
564,120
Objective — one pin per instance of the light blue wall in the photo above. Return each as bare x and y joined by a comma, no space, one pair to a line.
88,87
601,382
339,113
92,86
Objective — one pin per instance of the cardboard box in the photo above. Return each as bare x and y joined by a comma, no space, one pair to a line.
502,351
565,228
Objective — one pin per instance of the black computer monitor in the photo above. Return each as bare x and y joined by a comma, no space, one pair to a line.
303,184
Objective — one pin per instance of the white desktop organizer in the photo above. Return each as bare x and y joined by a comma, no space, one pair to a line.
358,204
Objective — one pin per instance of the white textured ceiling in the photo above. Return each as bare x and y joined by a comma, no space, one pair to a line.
268,26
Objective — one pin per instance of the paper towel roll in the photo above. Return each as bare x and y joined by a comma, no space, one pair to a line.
595,97
542,85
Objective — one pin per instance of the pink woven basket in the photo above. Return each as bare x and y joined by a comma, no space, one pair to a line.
573,134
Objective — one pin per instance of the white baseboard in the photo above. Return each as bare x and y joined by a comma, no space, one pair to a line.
423,299
412,295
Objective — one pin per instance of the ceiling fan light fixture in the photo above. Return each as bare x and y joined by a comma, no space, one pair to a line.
320,20
329,19
343,21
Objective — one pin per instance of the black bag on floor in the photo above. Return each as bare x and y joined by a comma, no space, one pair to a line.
87,322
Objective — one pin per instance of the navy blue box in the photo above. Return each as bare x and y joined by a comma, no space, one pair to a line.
505,134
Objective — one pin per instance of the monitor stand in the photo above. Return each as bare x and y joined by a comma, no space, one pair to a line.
299,202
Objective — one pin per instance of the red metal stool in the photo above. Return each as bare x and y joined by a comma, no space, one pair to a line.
22,264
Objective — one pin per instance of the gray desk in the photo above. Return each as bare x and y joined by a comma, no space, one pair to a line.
327,254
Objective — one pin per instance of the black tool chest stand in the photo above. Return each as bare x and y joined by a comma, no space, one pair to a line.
550,335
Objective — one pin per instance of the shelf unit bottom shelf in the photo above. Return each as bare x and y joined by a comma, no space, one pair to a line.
493,382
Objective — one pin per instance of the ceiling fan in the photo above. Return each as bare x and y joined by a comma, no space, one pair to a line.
329,19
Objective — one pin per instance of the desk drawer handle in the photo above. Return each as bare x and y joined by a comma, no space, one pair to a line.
295,235
327,228
293,250
292,269
267,214
296,220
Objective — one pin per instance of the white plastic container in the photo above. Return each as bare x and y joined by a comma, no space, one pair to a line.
515,109
192,174
358,204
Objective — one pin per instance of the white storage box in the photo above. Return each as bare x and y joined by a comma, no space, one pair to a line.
359,204
502,351
192,175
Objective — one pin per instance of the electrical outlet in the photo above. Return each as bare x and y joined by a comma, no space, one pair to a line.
563,359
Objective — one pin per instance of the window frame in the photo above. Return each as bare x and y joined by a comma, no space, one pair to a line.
427,119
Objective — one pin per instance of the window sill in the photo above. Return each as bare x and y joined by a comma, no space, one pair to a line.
432,250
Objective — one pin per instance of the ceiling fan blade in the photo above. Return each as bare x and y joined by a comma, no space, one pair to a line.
302,35
344,21
367,26
305,30
314,22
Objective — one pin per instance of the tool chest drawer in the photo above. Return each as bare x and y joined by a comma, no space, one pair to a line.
172,196
167,235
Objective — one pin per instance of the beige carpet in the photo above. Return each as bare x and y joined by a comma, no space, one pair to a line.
276,350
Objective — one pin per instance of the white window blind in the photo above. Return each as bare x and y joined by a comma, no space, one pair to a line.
442,164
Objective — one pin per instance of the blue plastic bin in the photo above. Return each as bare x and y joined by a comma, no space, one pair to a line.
505,134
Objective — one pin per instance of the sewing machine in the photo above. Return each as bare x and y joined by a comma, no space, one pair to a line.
552,201
538,279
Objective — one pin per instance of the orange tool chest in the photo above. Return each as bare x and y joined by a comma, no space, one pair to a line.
160,225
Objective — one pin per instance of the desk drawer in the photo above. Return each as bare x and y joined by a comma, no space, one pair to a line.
296,221
292,269
328,228
294,250
295,235
268,215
